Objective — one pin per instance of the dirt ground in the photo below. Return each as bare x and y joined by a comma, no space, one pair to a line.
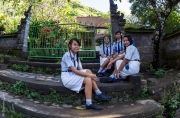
170,75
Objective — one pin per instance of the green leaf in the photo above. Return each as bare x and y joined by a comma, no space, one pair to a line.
79,108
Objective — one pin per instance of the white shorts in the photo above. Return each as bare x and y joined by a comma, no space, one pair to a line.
134,67
72,81
102,60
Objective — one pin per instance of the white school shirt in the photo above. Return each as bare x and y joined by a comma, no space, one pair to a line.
121,45
132,53
104,52
68,61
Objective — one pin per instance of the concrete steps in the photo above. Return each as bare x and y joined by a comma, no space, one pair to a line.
137,109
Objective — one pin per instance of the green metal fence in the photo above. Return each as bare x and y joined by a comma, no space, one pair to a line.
51,41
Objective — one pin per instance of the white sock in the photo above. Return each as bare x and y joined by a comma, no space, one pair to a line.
115,77
98,92
112,76
88,102
104,70
100,70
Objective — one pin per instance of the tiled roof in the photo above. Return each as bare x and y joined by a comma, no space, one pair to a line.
96,21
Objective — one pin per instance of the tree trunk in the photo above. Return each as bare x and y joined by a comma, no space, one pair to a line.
157,37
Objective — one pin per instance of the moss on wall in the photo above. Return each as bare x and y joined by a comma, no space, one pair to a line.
170,56
14,53
138,30
172,34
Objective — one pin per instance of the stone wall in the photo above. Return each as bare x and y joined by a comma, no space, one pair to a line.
171,48
18,41
8,41
9,45
144,44
172,51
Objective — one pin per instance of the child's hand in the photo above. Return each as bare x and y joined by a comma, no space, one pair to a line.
117,75
92,76
109,65
109,57
115,55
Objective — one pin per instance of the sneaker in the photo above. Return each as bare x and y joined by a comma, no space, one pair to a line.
100,75
94,106
103,97
105,79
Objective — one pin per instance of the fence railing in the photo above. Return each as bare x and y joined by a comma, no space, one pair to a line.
51,41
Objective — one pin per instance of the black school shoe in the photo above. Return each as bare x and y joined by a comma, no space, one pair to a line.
105,79
115,80
94,106
100,74
105,74
103,97
108,80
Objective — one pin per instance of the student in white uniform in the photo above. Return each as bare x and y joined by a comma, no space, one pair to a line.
118,47
76,78
105,52
129,65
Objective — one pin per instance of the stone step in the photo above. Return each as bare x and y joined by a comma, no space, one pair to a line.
2,116
93,60
3,66
45,82
51,65
136,109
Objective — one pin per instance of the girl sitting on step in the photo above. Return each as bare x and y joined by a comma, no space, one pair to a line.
105,52
118,46
130,64
76,78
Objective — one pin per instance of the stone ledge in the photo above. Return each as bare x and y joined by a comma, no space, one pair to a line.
1,116
33,83
137,109
50,65
3,66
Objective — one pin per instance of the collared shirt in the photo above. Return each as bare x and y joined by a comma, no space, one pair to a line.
121,45
101,51
68,61
132,53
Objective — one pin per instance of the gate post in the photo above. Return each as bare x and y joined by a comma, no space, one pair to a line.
23,30
117,20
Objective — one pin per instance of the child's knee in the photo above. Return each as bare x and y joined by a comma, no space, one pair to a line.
87,80
88,71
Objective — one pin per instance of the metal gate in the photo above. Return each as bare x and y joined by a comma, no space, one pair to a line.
51,41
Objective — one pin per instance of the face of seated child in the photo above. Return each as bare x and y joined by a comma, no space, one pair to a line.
74,47
106,40
118,36
126,41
